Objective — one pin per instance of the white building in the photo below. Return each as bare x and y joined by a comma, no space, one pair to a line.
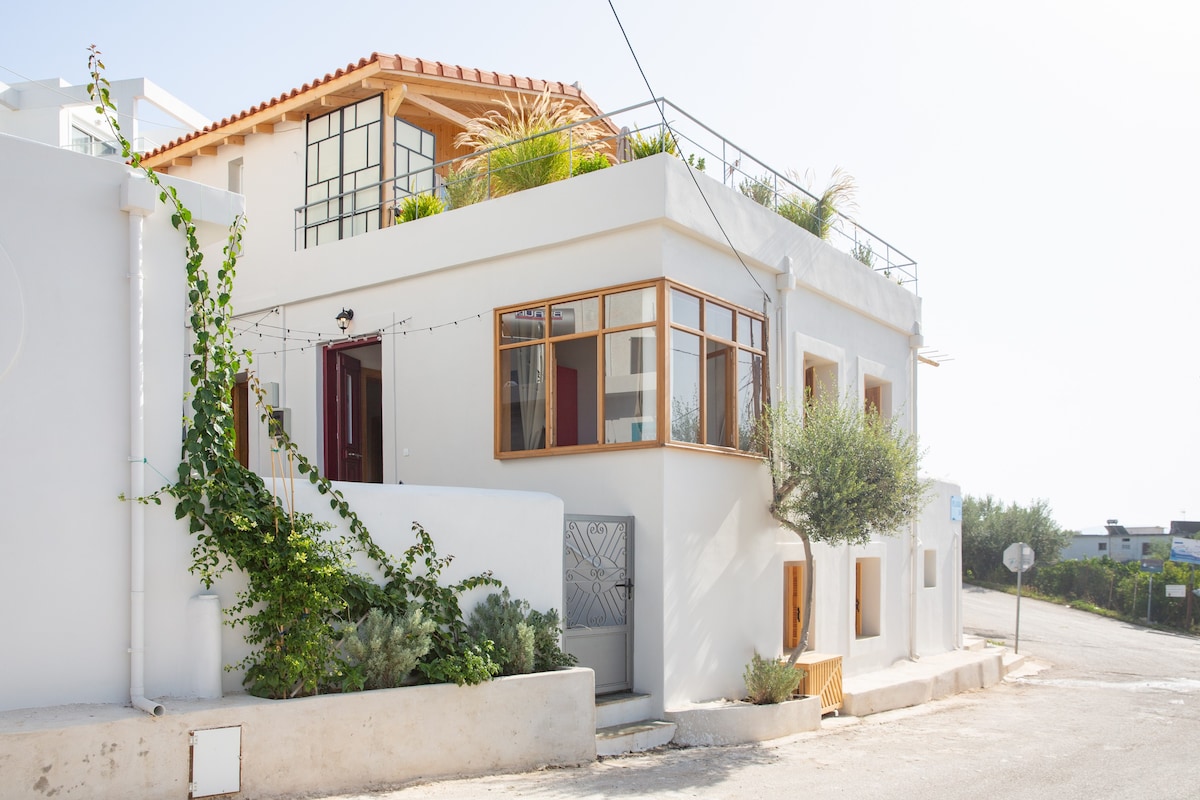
620,279
674,571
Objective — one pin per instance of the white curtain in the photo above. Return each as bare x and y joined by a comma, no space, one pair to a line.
531,393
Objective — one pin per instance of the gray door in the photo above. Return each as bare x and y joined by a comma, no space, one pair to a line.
598,597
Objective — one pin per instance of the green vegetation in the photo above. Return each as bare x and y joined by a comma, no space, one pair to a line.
590,163
521,144
465,186
526,641
820,215
419,205
383,650
770,681
989,526
838,476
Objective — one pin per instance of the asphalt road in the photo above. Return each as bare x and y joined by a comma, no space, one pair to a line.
1103,709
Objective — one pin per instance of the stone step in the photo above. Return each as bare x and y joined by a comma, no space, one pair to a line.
622,708
633,737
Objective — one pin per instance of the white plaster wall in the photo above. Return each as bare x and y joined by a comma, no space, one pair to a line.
64,420
938,621
273,183
349,743
515,535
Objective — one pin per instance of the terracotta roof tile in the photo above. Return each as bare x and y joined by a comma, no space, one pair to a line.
399,63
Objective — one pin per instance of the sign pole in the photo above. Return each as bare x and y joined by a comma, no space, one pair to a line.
1018,557
1017,638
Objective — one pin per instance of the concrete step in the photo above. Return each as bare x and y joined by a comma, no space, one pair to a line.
621,708
633,737
911,683
1012,662
974,643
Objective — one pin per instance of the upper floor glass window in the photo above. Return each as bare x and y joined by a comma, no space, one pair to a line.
344,157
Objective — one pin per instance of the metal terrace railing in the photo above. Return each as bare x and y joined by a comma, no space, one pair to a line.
480,176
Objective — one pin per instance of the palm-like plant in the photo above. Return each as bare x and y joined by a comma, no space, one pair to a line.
523,145
819,214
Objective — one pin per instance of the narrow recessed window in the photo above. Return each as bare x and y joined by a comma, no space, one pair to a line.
930,570
866,597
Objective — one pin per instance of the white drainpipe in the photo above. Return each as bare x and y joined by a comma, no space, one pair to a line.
137,210
915,342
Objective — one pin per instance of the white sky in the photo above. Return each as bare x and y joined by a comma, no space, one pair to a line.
1038,158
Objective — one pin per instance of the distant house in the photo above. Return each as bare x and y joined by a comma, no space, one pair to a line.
1118,542
609,339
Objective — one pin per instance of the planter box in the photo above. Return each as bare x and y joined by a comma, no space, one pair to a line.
726,722
331,744
823,678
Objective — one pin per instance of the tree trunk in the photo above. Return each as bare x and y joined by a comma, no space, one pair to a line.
809,580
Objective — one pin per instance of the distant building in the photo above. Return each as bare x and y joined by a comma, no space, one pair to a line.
1118,542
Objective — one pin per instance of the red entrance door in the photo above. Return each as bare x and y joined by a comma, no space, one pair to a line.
343,416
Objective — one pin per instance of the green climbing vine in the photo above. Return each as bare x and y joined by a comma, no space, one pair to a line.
302,594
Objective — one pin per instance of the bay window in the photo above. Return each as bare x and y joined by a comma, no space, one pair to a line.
582,371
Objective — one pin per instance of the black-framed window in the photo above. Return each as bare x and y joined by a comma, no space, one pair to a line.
344,167
414,151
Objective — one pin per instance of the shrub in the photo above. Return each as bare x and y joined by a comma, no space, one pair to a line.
526,641
770,681
522,146
761,190
863,252
642,145
386,648
472,664
419,205
590,163
465,186
547,653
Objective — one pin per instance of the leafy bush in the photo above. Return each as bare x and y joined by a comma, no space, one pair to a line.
414,583
386,648
590,163
547,632
770,681
419,205
526,641
472,664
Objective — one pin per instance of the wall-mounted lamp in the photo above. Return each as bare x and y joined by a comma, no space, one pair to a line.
343,319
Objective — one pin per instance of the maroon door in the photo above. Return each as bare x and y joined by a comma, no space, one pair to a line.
343,416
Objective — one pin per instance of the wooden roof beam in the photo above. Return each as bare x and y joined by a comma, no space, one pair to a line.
436,108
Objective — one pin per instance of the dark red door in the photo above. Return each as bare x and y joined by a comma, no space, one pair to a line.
343,417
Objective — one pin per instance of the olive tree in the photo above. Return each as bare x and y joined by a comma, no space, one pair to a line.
839,475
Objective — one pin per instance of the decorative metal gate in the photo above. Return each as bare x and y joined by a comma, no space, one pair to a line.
598,597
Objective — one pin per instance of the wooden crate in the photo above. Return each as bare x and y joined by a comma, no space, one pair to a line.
823,678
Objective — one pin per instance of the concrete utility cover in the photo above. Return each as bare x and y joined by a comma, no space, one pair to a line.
1018,557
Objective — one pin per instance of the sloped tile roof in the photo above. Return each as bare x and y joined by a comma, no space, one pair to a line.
395,67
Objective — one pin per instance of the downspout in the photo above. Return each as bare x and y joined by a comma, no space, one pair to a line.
137,445
915,342
785,282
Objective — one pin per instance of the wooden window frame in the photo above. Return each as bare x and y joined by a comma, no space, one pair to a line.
661,326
